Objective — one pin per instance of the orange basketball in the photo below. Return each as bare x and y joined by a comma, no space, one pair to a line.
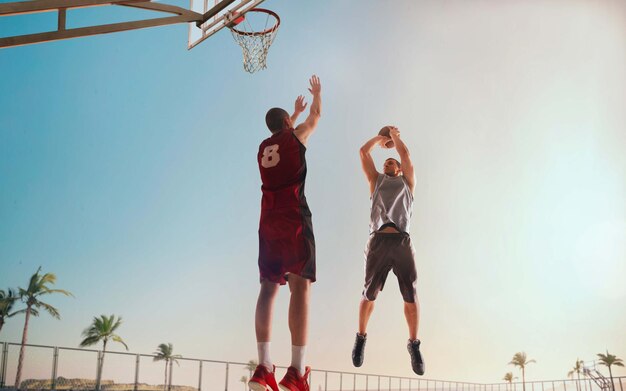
385,132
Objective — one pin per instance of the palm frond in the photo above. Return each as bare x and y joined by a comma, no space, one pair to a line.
90,341
61,291
37,286
49,278
520,360
117,338
608,359
50,309
101,329
7,301
34,280
22,311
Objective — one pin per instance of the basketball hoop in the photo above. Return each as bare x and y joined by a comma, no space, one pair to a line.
252,33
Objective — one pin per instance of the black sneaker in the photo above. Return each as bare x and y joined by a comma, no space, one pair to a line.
416,357
358,350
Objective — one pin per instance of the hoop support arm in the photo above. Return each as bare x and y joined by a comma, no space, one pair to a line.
182,16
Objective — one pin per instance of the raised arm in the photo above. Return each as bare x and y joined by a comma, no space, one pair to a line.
405,158
299,107
305,129
367,163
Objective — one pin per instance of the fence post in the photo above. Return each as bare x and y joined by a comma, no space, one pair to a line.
379,383
325,380
354,383
226,385
55,366
98,366
200,376
136,373
367,382
3,364
340,381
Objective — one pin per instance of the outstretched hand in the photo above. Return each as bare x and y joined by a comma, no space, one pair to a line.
316,86
394,132
385,142
300,104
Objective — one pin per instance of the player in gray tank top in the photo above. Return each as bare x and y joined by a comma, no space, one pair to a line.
389,246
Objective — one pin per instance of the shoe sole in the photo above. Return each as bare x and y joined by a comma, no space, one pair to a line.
254,386
284,388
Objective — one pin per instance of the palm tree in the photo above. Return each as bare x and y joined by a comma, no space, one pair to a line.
508,377
38,286
610,360
244,380
519,360
578,369
102,329
7,301
251,366
165,353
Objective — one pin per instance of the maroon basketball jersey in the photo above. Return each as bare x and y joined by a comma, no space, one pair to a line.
283,170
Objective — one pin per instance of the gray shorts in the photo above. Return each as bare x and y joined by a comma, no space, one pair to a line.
385,252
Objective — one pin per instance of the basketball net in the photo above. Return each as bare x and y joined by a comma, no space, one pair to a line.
255,37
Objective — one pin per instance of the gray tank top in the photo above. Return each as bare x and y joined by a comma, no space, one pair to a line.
392,203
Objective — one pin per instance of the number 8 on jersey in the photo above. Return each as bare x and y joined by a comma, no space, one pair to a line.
270,156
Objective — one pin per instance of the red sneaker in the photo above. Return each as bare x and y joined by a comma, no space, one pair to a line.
294,382
263,379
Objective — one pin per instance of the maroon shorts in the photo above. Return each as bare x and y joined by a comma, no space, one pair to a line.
286,244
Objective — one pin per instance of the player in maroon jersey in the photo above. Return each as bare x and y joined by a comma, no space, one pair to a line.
286,242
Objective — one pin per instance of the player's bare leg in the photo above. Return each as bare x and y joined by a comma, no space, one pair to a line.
263,377
366,307
412,315
299,309
264,311
411,312
298,318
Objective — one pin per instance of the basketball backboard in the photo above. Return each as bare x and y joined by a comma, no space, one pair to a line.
218,12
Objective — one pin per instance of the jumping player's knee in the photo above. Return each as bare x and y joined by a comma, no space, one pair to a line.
369,295
268,288
298,283
409,295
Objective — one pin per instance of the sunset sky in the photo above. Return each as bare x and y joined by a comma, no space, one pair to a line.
128,168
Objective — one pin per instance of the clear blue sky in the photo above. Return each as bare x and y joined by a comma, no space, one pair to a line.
127,167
